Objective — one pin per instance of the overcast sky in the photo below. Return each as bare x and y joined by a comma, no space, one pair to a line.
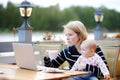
110,4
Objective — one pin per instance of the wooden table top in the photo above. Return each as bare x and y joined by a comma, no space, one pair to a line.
13,72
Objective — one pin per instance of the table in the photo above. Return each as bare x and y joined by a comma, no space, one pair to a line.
13,72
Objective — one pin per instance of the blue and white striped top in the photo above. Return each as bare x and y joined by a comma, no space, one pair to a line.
70,54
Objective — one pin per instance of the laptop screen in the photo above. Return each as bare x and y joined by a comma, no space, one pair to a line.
25,55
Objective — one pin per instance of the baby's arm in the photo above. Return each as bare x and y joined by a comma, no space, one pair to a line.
80,64
75,66
103,68
107,77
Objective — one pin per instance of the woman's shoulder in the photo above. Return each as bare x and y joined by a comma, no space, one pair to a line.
99,51
98,48
69,48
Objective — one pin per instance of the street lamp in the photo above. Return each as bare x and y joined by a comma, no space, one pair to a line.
25,31
98,33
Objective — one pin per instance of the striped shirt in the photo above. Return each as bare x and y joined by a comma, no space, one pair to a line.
70,54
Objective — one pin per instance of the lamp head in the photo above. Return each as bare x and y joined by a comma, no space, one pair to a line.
98,15
25,9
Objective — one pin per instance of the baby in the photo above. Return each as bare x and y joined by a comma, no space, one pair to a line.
88,56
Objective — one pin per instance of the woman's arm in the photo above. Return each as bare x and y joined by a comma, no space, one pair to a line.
55,62
96,70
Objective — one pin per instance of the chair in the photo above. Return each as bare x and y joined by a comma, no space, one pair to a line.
112,54
43,47
53,47
118,66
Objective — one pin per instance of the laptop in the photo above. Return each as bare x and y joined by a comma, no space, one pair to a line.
26,57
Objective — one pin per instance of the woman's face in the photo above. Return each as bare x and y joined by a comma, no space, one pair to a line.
71,37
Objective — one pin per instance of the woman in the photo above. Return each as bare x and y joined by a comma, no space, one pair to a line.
75,32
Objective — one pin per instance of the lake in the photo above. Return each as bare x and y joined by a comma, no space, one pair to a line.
38,36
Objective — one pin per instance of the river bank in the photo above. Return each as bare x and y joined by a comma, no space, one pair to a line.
38,36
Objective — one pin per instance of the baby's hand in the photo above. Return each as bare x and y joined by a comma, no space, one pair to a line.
81,64
107,77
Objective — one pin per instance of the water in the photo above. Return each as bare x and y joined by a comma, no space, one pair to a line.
38,36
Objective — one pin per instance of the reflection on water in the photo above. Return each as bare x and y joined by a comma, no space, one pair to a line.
37,36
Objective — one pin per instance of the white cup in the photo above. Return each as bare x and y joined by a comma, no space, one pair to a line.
52,53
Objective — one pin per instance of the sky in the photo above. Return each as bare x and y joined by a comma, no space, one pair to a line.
110,4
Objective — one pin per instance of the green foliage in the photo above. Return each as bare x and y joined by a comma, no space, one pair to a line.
111,19
52,18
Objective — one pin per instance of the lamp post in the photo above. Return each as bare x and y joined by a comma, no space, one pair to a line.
25,31
98,33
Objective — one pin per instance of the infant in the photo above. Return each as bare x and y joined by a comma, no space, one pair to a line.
88,56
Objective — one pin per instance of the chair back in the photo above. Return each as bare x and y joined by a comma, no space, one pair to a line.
111,50
53,46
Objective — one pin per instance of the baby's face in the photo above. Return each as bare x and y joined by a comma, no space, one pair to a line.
86,51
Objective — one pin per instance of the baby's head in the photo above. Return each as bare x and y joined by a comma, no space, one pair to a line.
88,48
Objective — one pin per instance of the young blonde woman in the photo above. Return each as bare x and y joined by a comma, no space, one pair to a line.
75,32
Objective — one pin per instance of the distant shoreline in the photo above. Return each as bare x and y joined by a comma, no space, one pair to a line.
38,36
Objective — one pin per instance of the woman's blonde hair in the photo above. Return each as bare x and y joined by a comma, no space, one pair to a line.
79,28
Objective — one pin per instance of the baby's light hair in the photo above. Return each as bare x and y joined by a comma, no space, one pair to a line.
91,44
